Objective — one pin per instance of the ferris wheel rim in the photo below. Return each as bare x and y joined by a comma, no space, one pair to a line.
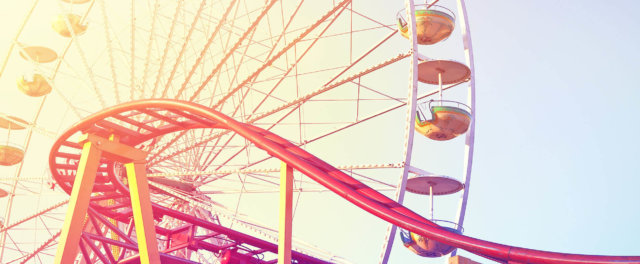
410,10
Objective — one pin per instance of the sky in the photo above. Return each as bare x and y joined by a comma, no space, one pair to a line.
556,145
555,161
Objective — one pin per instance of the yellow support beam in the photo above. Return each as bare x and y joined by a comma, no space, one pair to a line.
142,212
94,147
78,203
285,212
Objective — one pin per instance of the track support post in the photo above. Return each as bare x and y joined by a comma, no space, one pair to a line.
285,212
95,148
142,212
78,202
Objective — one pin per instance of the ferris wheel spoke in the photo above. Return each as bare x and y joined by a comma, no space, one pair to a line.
370,117
232,50
271,170
198,152
51,83
285,27
307,97
40,213
235,74
67,46
269,128
273,44
373,20
218,68
109,45
207,163
205,49
389,97
244,148
295,103
132,77
9,205
16,247
45,245
372,180
338,8
183,48
83,59
147,60
166,47
293,66
15,39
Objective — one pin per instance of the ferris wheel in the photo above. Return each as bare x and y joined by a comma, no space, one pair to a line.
330,78
163,130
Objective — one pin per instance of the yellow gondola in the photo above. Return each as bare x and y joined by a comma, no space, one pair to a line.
426,247
448,122
11,155
432,26
34,85
60,25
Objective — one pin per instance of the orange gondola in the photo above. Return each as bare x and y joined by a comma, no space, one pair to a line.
34,85
61,27
9,154
447,122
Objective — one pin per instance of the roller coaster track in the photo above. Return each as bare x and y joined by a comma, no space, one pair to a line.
148,119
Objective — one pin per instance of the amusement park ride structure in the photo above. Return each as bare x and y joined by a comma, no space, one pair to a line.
137,172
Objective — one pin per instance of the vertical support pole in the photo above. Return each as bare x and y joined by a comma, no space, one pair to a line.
431,200
9,133
440,86
78,204
142,212
285,212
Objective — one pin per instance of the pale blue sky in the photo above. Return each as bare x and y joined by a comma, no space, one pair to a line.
557,124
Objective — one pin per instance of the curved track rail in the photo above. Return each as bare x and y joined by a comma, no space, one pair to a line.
148,119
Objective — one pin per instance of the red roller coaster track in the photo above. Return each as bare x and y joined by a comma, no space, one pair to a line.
178,116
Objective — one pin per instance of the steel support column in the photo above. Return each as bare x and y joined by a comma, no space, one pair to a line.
142,213
285,212
94,148
78,203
